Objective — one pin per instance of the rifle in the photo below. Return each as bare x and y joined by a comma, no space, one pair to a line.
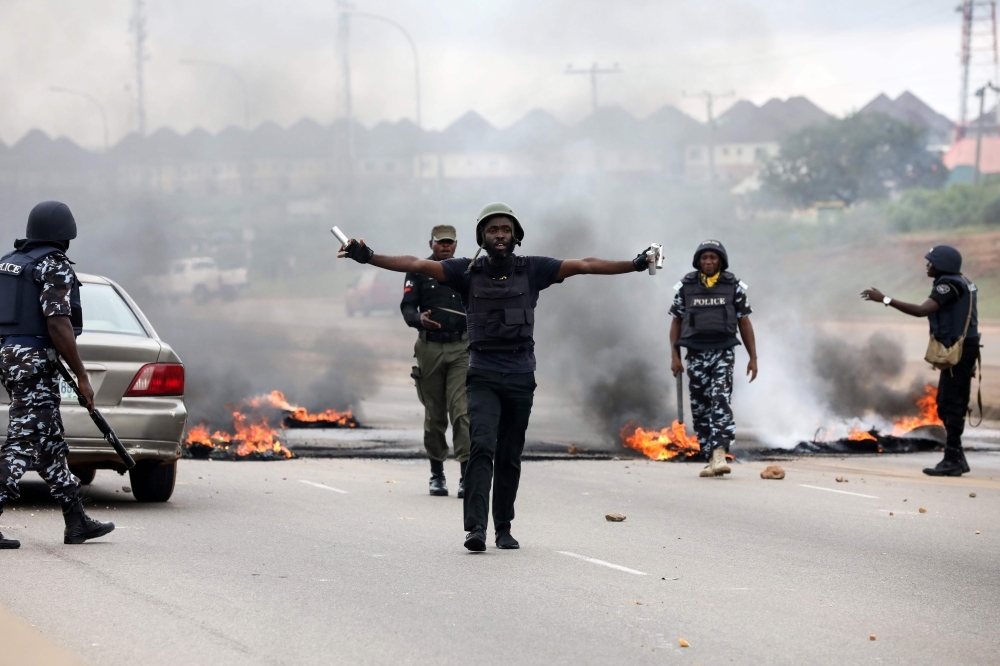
98,418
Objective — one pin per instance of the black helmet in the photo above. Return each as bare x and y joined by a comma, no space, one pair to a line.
51,221
492,210
945,259
716,247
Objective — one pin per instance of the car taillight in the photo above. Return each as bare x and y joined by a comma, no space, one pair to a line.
158,379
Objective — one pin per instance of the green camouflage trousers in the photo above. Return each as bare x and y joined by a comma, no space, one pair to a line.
440,378
35,432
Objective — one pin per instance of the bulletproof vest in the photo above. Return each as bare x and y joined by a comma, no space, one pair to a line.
433,295
948,322
709,312
20,305
500,314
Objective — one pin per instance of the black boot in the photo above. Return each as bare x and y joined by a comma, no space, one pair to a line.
438,485
476,539
965,463
80,527
951,465
506,542
8,544
461,481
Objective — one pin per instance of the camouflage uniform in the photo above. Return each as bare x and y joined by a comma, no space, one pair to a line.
710,380
35,432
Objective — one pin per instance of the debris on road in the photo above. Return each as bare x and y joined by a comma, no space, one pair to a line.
841,479
977,531
972,494
683,643
872,637
126,489
922,510
773,472
572,450
615,517
890,513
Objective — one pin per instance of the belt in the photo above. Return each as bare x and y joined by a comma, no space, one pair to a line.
443,336
35,341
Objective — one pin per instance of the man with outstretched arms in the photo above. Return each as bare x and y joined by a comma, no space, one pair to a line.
499,292
442,360
709,309
952,312
40,317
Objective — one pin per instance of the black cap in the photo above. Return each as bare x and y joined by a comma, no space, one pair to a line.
945,259
51,221
713,246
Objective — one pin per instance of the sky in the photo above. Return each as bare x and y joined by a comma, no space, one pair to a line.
499,58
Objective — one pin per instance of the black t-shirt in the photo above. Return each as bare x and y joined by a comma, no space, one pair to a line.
543,272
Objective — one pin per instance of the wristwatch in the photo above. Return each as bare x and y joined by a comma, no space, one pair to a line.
886,300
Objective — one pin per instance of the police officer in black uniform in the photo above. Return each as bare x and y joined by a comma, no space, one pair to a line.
442,356
952,303
500,292
40,317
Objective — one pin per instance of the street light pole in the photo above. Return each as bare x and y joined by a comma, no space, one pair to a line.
593,72
235,74
413,47
92,100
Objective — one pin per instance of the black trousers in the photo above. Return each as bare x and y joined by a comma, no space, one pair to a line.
499,408
954,390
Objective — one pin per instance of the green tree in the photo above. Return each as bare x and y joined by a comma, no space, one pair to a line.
860,157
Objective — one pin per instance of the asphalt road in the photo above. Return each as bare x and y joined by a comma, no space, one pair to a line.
349,561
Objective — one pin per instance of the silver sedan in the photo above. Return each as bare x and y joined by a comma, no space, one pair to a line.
138,385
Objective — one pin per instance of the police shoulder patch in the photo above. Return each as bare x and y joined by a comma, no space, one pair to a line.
743,285
943,288
678,286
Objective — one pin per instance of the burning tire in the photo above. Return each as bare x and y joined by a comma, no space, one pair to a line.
153,482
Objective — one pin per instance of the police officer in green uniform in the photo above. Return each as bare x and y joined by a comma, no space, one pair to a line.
952,312
442,360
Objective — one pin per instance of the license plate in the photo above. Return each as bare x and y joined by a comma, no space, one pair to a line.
65,392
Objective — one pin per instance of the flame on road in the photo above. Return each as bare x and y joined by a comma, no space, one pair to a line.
664,444
927,404
295,413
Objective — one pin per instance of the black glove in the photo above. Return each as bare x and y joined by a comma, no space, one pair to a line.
358,252
641,261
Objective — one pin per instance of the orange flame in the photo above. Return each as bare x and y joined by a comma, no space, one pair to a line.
928,413
861,436
277,399
256,437
668,443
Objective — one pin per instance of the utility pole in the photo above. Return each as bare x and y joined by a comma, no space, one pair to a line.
979,52
981,94
92,100
710,99
138,27
593,72
344,34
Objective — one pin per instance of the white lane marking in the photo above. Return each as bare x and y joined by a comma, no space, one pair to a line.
324,487
603,563
842,492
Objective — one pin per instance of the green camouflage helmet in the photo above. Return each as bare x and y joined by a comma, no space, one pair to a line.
492,210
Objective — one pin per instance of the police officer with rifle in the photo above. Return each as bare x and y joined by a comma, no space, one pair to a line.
40,317
499,292
442,356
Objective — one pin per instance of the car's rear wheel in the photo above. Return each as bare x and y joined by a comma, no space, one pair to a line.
152,481
85,474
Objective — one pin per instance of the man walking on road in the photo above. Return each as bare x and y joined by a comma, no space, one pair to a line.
442,356
951,310
499,292
40,317
708,309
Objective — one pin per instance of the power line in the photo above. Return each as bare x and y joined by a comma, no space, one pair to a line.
593,72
